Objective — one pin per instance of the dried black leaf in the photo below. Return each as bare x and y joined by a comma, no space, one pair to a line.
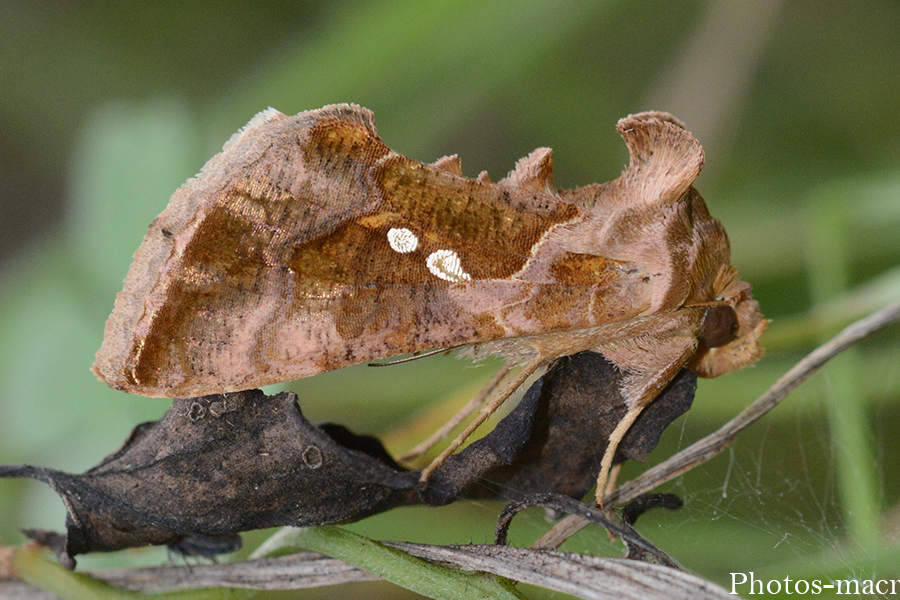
215,466
554,441
218,465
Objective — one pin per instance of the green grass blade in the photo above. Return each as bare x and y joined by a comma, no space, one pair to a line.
391,564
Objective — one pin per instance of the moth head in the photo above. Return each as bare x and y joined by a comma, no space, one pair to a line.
729,329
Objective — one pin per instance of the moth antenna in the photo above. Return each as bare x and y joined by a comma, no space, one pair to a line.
414,356
486,411
445,429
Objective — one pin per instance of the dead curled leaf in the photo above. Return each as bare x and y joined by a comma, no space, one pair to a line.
217,465
553,442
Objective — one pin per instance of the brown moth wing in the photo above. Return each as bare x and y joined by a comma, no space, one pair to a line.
307,245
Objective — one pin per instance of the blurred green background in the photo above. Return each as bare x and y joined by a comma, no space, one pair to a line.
107,107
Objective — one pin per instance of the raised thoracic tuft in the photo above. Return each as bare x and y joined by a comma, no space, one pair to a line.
450,164
663,155
533,172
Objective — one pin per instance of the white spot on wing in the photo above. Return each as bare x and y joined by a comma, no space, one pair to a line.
402,240
445,264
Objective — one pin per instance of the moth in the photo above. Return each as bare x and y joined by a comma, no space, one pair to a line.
308,245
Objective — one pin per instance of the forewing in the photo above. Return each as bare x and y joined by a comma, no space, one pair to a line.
307,245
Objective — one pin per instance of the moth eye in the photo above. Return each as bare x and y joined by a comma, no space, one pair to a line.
402,240
446,265
718,327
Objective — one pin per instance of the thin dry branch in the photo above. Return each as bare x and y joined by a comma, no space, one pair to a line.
583,576
291,572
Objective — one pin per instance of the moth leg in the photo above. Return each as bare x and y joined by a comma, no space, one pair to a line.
641,388
458,418
486,411
612,445
613,479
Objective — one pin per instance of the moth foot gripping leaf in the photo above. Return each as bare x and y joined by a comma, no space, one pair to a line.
308,245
